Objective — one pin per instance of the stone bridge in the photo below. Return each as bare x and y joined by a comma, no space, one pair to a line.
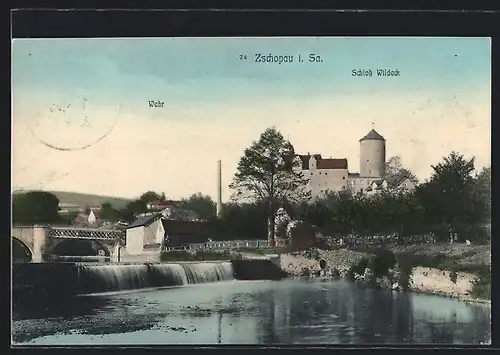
41,241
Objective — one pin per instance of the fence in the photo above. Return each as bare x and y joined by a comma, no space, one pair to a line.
227,245
378,240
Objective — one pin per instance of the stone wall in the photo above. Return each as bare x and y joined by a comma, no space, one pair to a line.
257,269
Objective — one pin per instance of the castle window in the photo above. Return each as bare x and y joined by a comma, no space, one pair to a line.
326,173
343,177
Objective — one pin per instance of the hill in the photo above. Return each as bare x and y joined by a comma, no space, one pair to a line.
85,200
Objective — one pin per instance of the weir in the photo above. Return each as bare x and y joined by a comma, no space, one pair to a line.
109,278
66,279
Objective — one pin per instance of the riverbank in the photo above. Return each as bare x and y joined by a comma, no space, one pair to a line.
437,282
457,271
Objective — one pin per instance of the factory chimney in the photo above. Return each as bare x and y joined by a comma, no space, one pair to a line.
219,188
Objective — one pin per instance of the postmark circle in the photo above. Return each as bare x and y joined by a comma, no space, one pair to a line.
74,124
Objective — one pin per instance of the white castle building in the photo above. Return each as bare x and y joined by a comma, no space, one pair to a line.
333,174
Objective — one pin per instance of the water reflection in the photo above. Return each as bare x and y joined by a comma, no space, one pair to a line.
285,312
65,308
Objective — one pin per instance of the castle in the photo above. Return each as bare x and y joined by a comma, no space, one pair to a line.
333,174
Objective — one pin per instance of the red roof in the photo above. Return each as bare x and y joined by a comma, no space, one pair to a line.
332,164
322,163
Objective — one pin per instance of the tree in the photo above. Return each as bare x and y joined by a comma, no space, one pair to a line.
109,213
35,207
69,218
268,173
132,209
151,196
203,205
448,197
482,191
240,221
395,171
317,214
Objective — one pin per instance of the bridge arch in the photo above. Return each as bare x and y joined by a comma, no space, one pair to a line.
21,251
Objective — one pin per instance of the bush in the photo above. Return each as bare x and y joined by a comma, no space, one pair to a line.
481,285
305,272
438,259
183,255
360,267
453,276
468,253
406,265
312,253
237,256
176,255
251,250
383,261
379,264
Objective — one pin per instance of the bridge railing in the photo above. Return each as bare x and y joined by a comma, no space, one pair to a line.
229,244
84,233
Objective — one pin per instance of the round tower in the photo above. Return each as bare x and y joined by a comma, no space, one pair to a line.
372,155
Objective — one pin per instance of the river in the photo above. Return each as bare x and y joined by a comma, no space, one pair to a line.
291,311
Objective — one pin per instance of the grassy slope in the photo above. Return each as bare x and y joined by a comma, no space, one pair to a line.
85,200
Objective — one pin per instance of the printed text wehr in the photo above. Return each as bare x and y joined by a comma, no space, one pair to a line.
156,103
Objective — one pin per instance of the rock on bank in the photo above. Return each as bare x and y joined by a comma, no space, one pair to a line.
341,259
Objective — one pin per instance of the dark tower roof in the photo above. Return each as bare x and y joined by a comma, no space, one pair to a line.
372,135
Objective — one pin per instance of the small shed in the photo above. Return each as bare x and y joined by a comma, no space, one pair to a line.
304,236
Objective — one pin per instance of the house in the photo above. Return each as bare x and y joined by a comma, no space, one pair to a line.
174,213
92,218
403,184
68,208
376,187
398,184
323,174
161,204
81,219
181,233
144,233
94,215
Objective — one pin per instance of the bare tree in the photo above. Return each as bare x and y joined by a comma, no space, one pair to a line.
394,170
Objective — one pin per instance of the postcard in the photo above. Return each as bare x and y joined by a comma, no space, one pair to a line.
255,191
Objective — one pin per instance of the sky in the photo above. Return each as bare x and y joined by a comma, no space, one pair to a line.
82,120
